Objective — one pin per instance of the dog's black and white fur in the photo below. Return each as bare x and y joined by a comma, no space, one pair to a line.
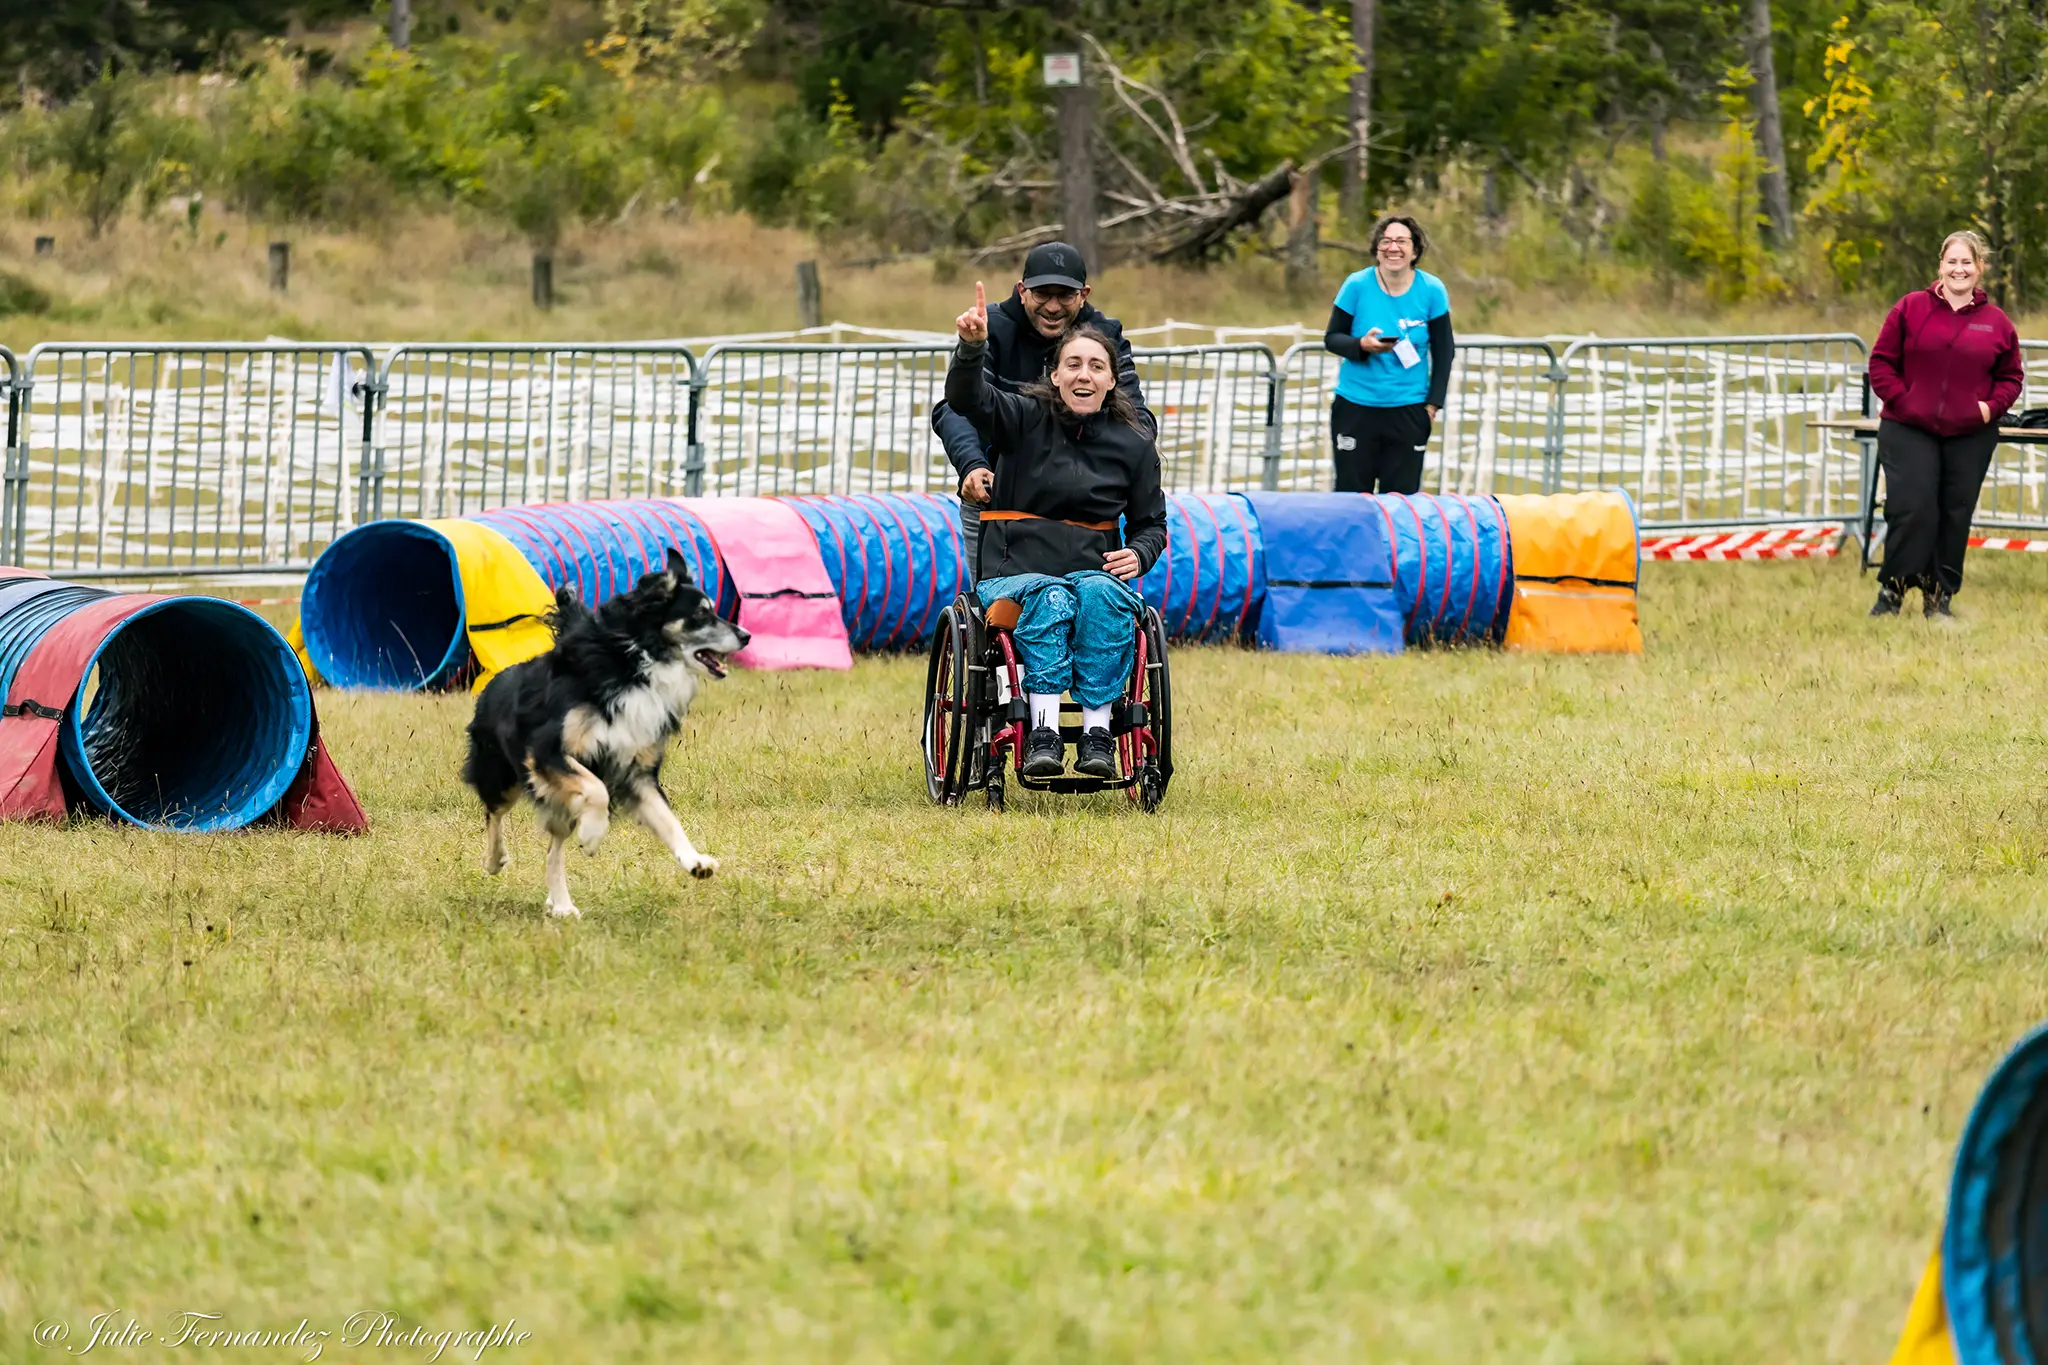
582,728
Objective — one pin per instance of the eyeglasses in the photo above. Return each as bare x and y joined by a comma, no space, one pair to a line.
1055,293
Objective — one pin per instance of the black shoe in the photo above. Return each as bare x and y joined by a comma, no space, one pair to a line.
1889,599
1045,755
1095,754
1934,602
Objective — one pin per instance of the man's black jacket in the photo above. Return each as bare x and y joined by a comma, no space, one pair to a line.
1018,355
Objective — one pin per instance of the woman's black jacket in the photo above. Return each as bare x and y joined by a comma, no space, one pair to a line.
1061,469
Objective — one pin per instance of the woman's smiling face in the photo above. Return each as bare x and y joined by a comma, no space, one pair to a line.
1083,376
1960,268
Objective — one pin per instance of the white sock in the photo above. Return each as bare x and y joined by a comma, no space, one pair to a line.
1045,711
1094,718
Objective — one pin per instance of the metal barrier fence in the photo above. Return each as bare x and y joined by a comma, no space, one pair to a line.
214,459
1709,431
162,460
2015,495
11,471
464,428
820,419
1495,434
1216,408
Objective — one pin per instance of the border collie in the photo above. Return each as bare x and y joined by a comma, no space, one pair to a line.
583,727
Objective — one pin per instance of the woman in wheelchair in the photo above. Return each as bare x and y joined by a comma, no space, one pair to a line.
1066,460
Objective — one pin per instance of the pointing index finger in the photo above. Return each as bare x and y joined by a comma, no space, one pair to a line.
980,296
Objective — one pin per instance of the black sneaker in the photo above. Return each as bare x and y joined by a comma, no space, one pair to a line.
1934,602
1045,755
1889,599
1095,754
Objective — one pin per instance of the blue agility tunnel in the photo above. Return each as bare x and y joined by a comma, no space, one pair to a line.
384,606
1206,585
896,560
1329,582
184,713
1453,569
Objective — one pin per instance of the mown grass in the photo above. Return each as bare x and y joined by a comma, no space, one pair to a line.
1458,1007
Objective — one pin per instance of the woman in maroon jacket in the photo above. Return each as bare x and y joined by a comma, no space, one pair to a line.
1947,365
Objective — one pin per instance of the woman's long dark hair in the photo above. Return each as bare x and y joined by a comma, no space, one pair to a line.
1116,403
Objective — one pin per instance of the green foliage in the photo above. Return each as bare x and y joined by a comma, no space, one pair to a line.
106,145
20,296
1934,118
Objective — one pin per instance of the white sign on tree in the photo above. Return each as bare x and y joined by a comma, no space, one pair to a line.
1062,68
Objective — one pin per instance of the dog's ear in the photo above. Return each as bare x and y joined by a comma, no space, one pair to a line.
678,567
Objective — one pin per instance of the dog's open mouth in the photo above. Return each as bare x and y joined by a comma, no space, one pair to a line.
713,661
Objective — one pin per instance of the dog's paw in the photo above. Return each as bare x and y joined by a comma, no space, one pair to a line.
495,865
700,867
565,910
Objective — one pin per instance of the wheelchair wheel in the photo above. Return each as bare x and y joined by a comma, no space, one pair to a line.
947,703
1155,770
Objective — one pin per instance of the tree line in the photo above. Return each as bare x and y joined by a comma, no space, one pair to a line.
1750,144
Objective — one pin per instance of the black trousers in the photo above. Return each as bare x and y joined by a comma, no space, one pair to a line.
1378,446
1930,492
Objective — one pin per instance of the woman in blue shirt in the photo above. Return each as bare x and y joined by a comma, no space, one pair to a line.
1392,327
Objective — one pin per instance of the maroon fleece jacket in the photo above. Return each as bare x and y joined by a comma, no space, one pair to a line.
1933,364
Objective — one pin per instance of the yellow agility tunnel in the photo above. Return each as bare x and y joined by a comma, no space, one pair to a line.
1577,559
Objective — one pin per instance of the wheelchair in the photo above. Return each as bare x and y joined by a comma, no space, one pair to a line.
973,739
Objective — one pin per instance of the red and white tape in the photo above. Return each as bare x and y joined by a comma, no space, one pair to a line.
2008,543
1817,541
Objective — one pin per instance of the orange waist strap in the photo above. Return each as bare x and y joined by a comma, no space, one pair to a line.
1033,516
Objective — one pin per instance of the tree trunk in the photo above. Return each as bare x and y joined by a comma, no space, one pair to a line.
1077,168
1301,234
401,24
1771,184
1357,166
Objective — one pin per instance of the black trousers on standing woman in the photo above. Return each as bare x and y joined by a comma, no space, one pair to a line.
1930,492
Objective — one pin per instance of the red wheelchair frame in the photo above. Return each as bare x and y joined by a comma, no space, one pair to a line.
971,738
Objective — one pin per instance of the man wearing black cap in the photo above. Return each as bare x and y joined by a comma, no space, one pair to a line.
1052,296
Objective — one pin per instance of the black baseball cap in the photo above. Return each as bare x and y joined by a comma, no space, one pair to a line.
1055,263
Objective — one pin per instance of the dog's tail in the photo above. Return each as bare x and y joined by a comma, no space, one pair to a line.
568,611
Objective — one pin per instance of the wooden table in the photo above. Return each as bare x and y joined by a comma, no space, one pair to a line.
1864,429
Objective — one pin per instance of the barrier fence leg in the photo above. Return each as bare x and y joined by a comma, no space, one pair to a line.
370,482
693,450
1553,434
1276,387
14,478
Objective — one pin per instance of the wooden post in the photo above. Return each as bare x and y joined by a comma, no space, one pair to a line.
1301,233
1077,170
543,280
810,299
46,246
280,266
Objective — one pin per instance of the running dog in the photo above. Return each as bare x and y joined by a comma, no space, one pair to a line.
583,727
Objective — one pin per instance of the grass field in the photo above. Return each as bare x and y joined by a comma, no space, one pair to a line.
1457,1007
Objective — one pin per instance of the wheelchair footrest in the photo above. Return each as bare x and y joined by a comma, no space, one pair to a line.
1072,786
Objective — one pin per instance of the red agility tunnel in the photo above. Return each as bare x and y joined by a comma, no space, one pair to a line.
183,713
